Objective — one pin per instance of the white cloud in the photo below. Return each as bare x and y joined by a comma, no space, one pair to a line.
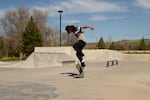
80,6
104,18
85,6
98,18
116,18
71,21
143,3
40,8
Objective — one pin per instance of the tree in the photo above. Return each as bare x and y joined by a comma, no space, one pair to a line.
31,38
112,46
14,23
1,46
149,46
40,18
142,45
101,44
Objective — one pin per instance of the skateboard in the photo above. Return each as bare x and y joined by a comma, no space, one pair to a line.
80,69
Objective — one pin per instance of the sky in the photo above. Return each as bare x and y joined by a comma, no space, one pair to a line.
112,19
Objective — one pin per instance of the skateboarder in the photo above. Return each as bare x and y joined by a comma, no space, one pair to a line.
80,43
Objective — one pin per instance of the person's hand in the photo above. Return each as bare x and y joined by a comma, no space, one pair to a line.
92,28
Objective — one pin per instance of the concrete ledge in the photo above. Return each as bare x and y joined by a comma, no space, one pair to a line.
68,50
50,56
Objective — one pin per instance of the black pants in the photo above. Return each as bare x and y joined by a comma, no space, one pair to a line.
78,46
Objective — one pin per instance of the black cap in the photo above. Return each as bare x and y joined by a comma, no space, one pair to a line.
70,27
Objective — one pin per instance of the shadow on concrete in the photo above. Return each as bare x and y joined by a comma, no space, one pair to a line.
70,74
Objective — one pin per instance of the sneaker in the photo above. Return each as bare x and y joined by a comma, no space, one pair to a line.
81,75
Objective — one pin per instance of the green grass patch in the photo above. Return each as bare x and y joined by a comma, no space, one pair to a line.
137,52
12,58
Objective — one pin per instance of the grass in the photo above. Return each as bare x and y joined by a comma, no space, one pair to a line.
12,58
137,52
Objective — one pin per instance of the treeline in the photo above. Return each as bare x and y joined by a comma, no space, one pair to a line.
142,44
21,30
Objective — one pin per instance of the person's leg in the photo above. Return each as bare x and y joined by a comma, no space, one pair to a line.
78,47
81,48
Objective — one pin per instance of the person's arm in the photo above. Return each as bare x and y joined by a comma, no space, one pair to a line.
90,27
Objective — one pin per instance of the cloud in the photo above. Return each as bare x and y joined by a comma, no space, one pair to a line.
116,18
98,18
71,21
143,3
104,18
85,6
40,8
79,6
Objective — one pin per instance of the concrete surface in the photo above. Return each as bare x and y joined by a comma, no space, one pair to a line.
26,91
127,81
59,56
41,77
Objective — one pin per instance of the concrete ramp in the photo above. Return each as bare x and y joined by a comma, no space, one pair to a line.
98,55
51,56
66,56
136,57
52,59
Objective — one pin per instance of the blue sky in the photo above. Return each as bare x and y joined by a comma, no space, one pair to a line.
112,19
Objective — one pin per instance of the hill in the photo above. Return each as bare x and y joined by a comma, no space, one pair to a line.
122,45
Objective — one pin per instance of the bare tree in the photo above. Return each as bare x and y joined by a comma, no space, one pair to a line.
40,18
14,23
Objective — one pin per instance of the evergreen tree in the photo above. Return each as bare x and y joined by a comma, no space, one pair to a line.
142,45
101,44
112,46
31,38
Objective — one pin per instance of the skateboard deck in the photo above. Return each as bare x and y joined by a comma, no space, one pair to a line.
80,69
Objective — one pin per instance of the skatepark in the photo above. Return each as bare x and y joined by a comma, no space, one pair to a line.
48,74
